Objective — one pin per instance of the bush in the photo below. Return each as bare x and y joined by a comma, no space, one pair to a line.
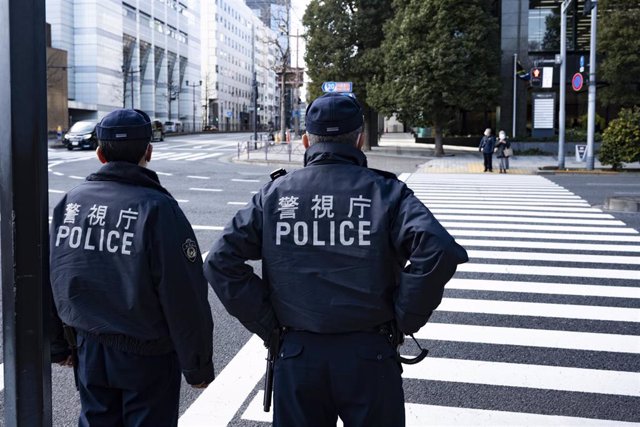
621,140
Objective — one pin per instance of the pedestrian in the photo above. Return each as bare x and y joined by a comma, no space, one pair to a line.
348,254
126,275
487,144
503,149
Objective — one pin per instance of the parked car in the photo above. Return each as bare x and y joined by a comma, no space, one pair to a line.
170,126
81,135
157,130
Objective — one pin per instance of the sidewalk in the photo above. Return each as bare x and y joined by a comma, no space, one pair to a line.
456,159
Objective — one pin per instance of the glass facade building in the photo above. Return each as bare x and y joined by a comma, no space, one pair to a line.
134,54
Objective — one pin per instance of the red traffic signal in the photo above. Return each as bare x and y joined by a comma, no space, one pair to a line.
536,77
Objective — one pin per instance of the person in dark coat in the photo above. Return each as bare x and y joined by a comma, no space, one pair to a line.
348,253
126,276
487,144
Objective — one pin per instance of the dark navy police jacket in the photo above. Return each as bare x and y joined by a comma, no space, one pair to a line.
334,238
126,269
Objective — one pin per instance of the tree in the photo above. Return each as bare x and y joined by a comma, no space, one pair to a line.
440,57
343,44
619,39
621,140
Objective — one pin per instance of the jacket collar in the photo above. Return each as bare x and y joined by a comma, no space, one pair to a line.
128,173
334,152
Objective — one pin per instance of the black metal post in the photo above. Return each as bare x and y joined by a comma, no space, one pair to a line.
254,92
24,213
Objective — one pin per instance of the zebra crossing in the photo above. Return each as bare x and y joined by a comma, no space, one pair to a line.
173,153
540,327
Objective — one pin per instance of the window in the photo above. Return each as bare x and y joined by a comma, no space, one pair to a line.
128,11
544,29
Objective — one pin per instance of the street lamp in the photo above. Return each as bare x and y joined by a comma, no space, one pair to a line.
193,85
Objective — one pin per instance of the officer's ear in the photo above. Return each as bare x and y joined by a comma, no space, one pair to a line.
100,155
305,140
147,154
360,142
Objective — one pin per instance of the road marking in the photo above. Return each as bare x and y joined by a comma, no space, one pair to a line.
237,203
183,156
589,341
56,191
245,180
1,376
503,212
182,201
543,270
547,245
254,192
524,202
559,257
555,236
207,227
445,217
164,173
529,376
205,189
218,403
500,195
538,309
58,173
566,228
545,288
197,177
418,415
508,205
204,156
76,177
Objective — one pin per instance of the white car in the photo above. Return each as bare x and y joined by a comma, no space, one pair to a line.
170,126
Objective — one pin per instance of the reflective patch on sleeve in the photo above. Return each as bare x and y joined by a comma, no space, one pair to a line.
190,250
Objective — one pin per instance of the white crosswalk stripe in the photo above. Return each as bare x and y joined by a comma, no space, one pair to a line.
539,328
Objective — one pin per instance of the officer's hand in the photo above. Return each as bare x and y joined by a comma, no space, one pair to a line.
67,362
201,385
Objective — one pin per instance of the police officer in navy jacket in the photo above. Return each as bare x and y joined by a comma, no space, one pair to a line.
334,238
126,274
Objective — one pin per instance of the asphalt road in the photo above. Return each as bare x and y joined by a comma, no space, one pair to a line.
541,323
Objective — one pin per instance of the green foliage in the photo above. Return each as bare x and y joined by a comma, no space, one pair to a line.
619,39
440,56
621,140
343,41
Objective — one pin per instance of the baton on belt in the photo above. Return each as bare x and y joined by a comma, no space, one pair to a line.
273,347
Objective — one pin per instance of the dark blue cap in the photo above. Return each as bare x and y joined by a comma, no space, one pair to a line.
333,114
124,125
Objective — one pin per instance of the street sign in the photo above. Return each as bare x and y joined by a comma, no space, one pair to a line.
547,77
337,87
577,81
582,63
229,113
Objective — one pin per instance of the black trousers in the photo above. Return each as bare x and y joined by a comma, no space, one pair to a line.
488,164
355,376
124,389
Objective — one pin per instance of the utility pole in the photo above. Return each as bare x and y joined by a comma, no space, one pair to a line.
127,73
591,125
515,95
254,85
193,85
563,82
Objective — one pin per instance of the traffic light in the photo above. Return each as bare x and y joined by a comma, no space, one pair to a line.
536,77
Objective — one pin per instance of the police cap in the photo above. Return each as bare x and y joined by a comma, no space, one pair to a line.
333,114
124,125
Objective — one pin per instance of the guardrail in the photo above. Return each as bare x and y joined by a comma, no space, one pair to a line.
270,149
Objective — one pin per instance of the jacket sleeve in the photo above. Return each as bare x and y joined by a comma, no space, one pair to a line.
243,293
182,291
433,256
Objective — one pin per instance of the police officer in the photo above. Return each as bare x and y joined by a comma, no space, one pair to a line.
126,274
334,238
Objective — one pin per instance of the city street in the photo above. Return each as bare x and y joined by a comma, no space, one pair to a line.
540,327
